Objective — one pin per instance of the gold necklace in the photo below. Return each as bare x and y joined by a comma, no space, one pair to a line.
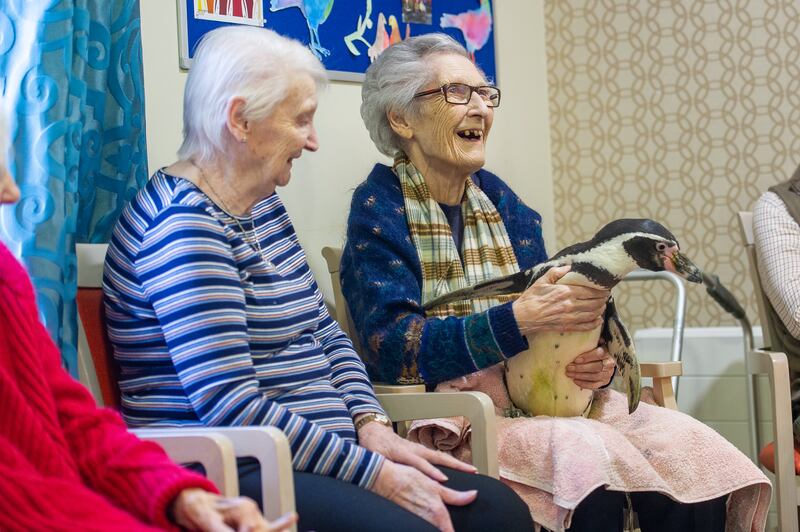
251,237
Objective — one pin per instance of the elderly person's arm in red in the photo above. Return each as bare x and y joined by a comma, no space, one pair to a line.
69,465
56,441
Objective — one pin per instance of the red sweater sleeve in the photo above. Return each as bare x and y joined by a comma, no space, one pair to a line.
132,474
135,474
32,501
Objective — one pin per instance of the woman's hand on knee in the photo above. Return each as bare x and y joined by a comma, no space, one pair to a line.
548,306
382,440
197,509
419,494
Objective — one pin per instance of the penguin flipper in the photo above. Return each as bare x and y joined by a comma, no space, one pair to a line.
620,346
509,284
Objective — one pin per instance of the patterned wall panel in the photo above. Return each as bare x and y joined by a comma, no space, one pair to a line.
678,111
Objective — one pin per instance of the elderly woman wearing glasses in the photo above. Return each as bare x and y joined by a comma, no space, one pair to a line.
436,221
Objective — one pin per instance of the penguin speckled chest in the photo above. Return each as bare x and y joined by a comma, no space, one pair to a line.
536,378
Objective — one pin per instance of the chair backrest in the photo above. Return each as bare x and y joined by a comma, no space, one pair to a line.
748,239
333,256
92,320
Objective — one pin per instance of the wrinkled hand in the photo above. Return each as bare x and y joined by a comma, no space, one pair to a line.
419,494
382,440
547,306
197,509
592,369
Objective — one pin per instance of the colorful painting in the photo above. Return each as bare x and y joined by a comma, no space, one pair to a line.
417,11
248,12
347,35
475,26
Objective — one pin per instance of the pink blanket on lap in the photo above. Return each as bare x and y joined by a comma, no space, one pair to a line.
554,463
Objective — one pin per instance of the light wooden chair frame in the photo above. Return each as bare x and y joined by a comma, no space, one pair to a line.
410,402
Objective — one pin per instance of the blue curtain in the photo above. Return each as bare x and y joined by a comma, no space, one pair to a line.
73,95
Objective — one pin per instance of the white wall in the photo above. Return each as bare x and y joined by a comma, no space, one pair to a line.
318,197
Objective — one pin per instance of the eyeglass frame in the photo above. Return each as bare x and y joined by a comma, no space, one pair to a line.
472,90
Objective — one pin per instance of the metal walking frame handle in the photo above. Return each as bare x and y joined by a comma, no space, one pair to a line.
680,310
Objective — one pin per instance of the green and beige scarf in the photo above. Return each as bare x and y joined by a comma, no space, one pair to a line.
487,249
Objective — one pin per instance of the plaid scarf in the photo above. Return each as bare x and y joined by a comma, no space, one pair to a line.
487,249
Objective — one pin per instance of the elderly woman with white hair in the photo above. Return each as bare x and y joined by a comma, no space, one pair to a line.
436,221
215,317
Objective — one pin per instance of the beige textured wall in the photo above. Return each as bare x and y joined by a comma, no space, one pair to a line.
679,111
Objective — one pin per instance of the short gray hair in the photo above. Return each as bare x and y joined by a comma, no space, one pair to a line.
392,80
255,64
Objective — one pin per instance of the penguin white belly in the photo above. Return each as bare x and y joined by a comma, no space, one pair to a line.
537,380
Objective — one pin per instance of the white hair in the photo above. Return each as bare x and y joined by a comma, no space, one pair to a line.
254,64
392,80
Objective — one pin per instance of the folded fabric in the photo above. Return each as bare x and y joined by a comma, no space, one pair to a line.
444,434
554,463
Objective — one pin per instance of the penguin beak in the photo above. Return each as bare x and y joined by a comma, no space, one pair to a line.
677,262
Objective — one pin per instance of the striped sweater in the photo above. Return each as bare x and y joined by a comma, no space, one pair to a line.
209,332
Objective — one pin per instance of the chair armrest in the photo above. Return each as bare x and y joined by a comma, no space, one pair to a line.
662,373
211,449
763,361
661,369
381,388
270,447
475,406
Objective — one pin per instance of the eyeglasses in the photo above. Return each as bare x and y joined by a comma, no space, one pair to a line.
461,94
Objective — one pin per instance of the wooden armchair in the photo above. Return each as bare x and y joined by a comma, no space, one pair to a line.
776,367
410,402
215,447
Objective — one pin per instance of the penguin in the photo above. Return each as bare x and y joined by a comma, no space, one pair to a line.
536,378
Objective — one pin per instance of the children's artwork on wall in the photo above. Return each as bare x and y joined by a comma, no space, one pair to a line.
417,11
347,35
248,12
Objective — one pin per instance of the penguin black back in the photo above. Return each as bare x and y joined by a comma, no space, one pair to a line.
614,229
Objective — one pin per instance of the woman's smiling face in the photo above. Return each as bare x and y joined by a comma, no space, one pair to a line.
275,141
451,138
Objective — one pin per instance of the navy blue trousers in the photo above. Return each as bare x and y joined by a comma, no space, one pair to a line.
325,504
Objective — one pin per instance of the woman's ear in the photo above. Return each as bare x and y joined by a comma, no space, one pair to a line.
238,127
400,125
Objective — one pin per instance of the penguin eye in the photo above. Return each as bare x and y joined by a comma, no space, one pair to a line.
661,246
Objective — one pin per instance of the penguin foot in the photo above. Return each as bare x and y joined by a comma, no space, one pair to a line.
513,411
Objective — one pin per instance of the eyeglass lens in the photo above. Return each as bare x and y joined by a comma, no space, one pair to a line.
460,93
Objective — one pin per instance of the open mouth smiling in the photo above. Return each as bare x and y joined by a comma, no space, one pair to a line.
471,134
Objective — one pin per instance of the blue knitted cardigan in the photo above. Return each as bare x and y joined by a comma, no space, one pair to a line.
382,279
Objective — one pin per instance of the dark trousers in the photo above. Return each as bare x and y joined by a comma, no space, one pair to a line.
602,511
325,504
